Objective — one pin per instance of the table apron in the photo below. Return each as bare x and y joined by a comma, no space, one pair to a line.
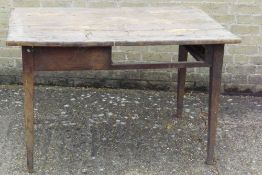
71,58
99,58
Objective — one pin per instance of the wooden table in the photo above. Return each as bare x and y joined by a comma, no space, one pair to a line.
59,39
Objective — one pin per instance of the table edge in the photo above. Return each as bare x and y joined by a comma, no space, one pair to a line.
120,43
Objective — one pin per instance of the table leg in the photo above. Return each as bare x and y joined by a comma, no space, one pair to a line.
215,55
181,78
28,83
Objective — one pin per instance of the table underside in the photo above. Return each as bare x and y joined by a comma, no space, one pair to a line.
100,58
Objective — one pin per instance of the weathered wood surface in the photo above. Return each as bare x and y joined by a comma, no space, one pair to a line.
28,82
72,58
215,54
181,81
114,27
160,65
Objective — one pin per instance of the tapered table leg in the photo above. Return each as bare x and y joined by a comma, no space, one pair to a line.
215,55
28,83
181,78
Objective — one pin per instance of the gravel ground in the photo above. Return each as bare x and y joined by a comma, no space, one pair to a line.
128,132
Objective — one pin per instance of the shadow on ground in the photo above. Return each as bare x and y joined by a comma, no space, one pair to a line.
129,132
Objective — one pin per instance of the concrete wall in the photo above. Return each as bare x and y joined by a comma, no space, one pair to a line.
242,68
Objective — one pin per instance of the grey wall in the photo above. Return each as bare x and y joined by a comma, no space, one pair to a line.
242,67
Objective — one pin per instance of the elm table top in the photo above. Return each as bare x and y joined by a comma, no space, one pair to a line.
115,27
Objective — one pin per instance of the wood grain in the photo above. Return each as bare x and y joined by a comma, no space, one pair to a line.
216,54
181,80
72,58
114,27
28,83
161,65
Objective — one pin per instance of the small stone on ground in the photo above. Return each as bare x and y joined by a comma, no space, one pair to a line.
90,131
